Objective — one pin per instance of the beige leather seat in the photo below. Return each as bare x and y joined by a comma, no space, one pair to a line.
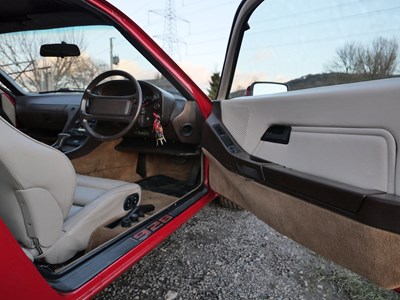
50,210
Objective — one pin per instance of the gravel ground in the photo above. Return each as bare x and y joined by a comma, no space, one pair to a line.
225,254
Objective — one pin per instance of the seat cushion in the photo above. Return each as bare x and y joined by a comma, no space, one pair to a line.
90,188
97,200
74,210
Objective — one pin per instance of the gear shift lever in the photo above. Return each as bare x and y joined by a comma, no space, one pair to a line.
61,138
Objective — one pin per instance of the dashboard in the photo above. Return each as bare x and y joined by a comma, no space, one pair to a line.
152,102
44,116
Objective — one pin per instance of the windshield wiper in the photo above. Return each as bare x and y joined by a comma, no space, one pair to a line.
63,90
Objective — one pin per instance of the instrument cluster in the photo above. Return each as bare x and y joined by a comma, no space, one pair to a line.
152,103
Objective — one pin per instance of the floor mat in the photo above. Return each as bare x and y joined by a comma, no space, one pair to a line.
165,185
159,201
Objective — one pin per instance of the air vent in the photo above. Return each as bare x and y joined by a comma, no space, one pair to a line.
187,130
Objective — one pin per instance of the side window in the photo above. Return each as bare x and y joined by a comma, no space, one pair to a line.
312,43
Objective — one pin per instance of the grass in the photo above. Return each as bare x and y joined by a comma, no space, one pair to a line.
356,287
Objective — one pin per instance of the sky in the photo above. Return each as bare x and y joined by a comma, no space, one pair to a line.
287,40
203,28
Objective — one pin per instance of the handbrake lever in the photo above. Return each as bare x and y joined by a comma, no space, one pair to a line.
61,138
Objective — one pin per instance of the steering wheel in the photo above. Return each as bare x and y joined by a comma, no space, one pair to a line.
123,109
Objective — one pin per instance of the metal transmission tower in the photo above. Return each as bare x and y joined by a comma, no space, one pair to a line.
170,37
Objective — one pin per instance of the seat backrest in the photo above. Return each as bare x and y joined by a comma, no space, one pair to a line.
37,185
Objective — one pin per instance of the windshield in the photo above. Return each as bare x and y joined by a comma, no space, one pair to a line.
102,48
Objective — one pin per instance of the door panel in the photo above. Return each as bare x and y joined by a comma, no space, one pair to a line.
361,157
43,116
332,184
369,251
369,106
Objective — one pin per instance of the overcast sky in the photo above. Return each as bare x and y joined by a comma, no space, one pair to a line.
203,28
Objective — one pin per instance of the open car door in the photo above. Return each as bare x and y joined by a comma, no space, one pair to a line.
318,164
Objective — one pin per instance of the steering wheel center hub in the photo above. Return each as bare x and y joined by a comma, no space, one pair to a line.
124,109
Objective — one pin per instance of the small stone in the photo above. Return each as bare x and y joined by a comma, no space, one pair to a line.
171,295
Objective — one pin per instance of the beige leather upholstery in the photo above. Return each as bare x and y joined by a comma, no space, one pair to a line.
46,206
347,133
8,106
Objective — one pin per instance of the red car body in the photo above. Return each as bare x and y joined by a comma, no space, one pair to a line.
23,280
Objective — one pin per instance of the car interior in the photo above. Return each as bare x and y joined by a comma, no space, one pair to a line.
82,166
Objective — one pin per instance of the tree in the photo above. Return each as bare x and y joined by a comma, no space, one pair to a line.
214,85
20,58
379,60
346,60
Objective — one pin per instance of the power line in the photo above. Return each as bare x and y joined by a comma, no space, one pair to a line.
303,42
170,37
311,41
209,8
307,12
328,20
312,23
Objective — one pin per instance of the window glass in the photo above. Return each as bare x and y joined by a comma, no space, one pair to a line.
315,43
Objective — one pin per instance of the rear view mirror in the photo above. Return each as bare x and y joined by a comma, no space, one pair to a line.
59,50
265,88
